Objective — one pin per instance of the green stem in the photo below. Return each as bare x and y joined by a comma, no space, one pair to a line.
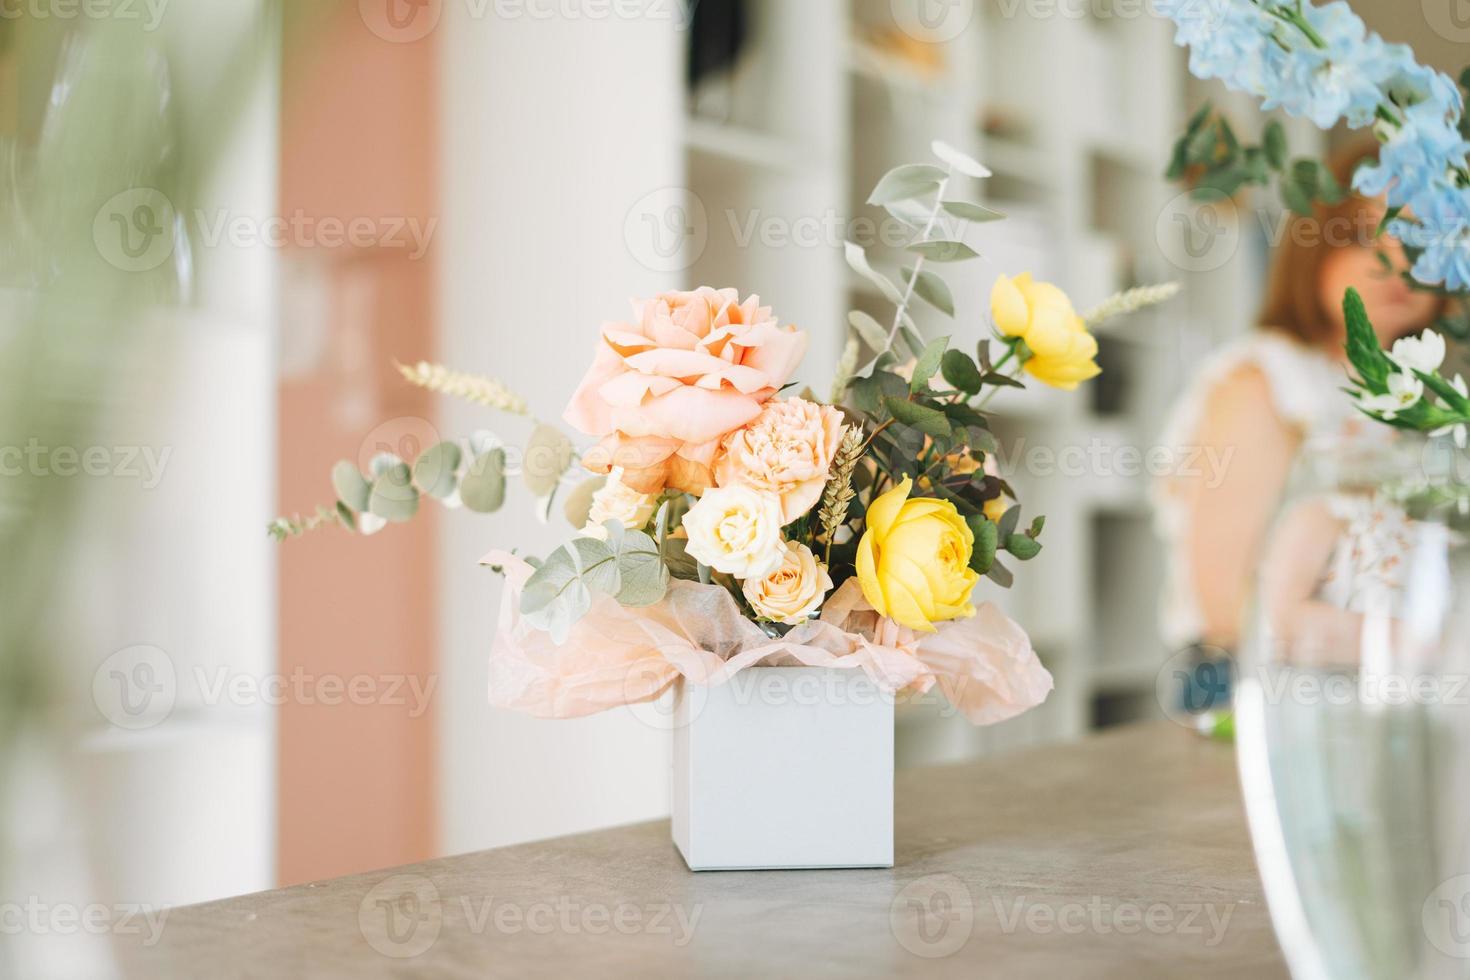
908,294
998,365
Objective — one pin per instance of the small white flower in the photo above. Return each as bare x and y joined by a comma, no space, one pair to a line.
1423,353
1404,392
737,531
1460,431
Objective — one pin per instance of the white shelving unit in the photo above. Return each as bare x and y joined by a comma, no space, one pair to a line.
1076,117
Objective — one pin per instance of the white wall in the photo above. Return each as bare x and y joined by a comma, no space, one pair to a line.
553,130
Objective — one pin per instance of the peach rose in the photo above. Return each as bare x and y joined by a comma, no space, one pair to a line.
664,390
787,451
794,591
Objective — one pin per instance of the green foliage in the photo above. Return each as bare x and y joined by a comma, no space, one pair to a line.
483,488
1214,159
961,373
1363,350
627,566
926,364
931,289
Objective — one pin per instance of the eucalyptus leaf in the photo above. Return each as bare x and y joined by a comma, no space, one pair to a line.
927,364
944,251
870,331
1009,520
1023,547
857,258
481,442
597,565
548,456
962,162
908,181
483,488
352,488
914,213
394,497
555,597
1001,575
930,288
435,471
911,339
968,211
987,539
382,463
645,579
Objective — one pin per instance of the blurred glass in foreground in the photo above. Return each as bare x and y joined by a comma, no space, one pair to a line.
1353,715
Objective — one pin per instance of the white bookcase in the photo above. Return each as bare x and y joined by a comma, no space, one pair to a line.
1076,117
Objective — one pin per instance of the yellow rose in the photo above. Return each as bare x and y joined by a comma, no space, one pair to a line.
913,561
793,592
1062,351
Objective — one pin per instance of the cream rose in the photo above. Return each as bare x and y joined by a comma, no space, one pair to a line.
787,451
736,531
615,501
794,591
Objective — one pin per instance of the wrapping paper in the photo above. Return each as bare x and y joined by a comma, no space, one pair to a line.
615,655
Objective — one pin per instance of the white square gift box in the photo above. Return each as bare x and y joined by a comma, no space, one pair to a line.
784,767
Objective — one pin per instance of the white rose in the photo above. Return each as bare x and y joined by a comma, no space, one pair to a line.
737,531
616,502
794,591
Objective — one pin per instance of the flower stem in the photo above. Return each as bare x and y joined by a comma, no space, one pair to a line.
908,294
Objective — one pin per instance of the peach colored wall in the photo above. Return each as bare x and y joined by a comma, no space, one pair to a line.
358,138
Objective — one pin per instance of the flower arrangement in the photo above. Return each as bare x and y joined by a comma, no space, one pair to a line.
728,522
1322,63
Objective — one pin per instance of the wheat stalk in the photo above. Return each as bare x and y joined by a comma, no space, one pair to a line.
846,368
1131,301
838,494
470,387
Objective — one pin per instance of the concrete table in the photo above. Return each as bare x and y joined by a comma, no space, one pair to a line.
1125,855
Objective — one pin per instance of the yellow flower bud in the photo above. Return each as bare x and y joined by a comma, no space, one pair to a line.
1062,351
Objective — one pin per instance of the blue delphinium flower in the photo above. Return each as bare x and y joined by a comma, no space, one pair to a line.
1415,163
1341,79
1442,230
1227,39
1343,71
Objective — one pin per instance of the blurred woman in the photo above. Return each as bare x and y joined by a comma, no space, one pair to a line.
1257,403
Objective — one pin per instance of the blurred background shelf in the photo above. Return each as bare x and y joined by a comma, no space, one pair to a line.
1078,170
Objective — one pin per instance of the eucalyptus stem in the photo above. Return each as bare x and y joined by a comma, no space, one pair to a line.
908,293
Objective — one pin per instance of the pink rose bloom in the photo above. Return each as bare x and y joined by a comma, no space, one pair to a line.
786,451
665,390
